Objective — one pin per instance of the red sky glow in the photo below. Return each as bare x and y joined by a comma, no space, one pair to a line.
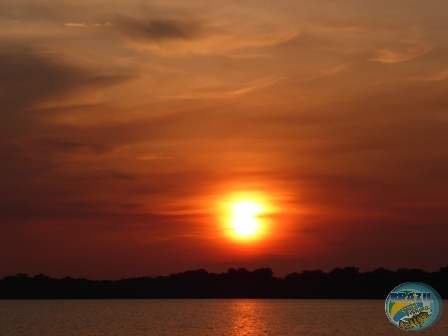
129,128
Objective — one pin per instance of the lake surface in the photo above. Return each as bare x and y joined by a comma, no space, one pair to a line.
212,317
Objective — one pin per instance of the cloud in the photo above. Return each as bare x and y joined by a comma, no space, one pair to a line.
76,24
226,92
437,77
30,76
150,157
401,54
83,24
71,147
160,29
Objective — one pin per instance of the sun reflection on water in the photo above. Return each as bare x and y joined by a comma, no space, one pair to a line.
247,318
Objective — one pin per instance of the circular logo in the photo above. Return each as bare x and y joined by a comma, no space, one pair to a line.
413,306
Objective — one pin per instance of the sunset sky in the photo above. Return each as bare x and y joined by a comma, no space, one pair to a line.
129,129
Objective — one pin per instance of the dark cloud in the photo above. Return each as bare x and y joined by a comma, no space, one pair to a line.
29,75
69,146
160,29
47,11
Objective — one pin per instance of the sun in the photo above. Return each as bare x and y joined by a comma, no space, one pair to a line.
244,220
246,217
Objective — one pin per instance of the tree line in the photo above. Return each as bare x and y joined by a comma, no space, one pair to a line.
340,283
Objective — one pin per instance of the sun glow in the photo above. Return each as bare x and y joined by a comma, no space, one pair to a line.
244,220
245,217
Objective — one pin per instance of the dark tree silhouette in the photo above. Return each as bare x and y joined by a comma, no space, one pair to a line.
340,283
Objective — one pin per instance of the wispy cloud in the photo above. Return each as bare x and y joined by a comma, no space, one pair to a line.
151,157
437,77
225,92
76,24
83,24
401,54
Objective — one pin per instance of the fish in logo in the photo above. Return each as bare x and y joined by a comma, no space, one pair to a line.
414,321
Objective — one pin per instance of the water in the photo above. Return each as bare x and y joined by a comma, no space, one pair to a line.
201,317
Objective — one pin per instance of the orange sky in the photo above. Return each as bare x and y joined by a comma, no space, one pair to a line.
128,128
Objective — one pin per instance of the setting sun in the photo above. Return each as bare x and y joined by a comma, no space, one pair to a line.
244,219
